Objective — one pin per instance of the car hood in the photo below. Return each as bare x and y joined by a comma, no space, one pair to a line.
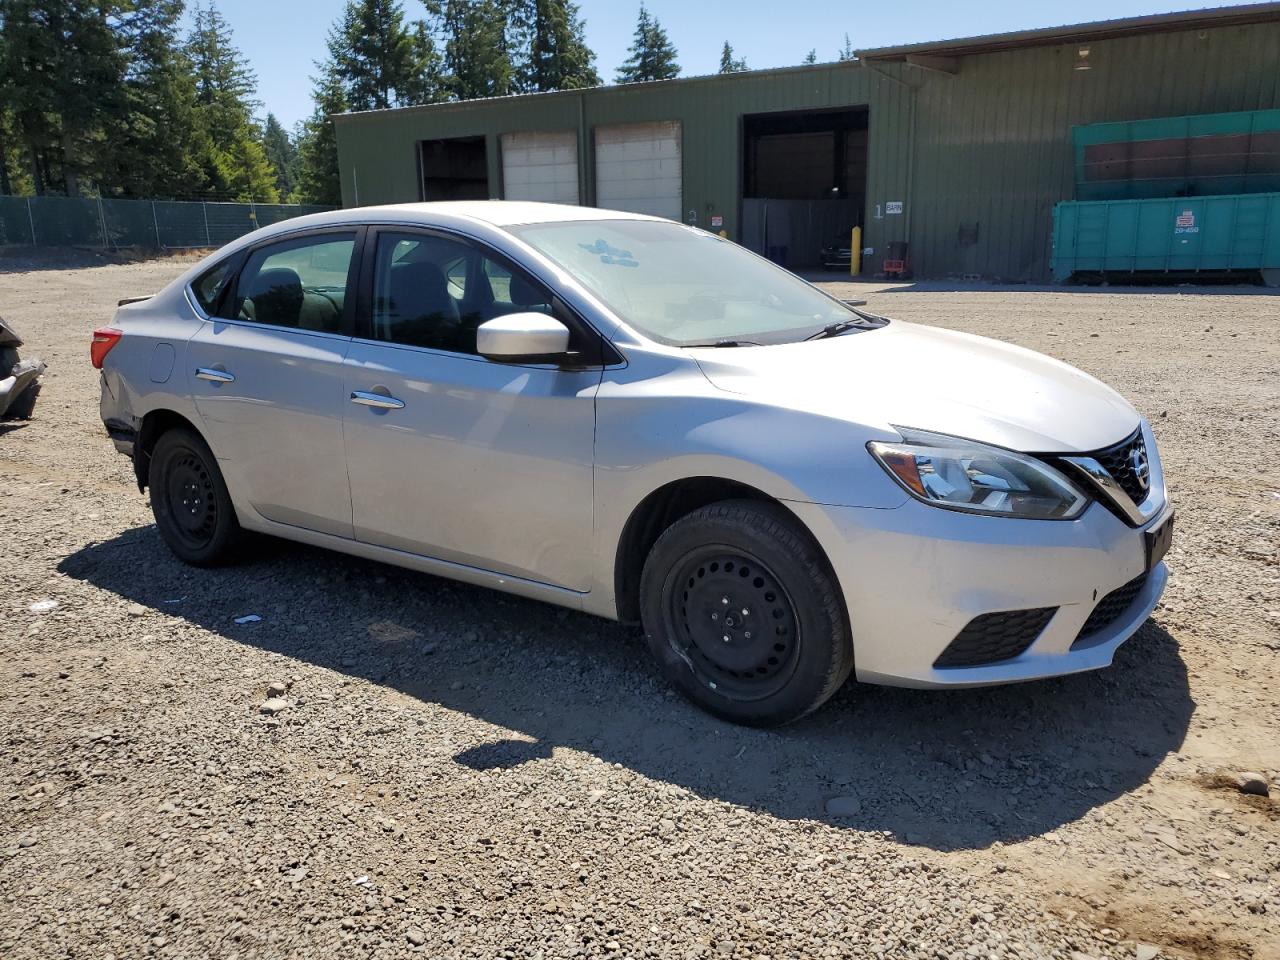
906,375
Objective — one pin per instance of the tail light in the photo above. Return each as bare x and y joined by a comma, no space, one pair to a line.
104,338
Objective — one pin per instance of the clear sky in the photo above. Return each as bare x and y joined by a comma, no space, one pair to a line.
282,38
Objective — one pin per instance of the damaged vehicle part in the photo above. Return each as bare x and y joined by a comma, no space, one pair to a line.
18,378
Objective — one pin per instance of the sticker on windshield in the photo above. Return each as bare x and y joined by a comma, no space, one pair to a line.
609,254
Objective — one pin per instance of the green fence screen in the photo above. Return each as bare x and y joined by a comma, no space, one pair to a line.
163,224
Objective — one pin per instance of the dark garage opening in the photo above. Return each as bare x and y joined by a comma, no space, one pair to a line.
804,184
454,169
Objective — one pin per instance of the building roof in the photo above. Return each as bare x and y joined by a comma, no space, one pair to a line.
1080,32
938,53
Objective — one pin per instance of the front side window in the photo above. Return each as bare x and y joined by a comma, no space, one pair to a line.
685,287
300,284
431,291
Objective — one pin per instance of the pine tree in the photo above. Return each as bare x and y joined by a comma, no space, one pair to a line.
233,159
477,50
380,61
811,56
652,55
319,180
282,154
846,52
61,82
152,149
550,38
728,63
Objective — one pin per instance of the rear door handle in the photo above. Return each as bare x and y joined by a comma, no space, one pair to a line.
214,376
379,400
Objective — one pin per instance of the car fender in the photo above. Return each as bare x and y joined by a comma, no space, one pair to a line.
655,431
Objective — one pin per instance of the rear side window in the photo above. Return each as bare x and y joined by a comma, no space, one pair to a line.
208,287
300,283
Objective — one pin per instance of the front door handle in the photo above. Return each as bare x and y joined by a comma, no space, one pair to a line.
214,376
379,400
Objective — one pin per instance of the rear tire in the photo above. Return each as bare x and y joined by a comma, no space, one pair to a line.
189,500
743,614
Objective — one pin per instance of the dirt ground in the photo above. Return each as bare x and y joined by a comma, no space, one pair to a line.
464,774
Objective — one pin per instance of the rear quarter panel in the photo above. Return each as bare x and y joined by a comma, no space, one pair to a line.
146,370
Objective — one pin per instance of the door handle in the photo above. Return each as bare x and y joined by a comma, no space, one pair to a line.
378,400
214,376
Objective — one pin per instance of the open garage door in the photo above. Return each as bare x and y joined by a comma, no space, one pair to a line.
804,185
638,168
540,165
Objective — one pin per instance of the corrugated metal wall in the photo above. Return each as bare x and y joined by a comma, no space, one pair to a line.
977,159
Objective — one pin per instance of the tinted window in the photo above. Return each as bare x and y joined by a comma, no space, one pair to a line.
434,292
298,283
209,285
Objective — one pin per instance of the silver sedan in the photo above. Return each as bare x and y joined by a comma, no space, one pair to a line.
637,419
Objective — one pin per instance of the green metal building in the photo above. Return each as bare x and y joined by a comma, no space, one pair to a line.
960,148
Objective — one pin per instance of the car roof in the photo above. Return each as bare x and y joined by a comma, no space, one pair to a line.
498,213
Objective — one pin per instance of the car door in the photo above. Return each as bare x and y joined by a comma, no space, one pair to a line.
452,455
267,379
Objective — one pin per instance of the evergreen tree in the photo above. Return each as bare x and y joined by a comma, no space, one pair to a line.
728,64
477,50
380,61
282,154
233,159
319,180
61,83
811,56
652,55
846,52
553,52
153,149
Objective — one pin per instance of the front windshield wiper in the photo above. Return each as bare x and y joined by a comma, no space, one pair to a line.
865,321
837,328
724,343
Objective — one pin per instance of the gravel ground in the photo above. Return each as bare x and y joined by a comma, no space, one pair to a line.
455,773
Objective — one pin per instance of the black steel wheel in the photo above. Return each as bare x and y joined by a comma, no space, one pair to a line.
743,615
733,621
189,499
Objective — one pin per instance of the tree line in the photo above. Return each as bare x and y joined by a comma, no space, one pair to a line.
123,98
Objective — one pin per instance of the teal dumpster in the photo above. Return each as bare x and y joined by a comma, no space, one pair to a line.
1183,236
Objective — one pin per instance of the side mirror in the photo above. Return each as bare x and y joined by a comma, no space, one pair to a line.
523,338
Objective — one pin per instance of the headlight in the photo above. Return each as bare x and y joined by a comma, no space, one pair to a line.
962,475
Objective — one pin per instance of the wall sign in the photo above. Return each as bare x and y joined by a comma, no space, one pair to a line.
893,207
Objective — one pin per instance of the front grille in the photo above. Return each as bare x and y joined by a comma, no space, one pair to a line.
993,637
1119,462
1111,608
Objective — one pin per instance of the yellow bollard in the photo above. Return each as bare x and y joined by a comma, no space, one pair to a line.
855,252
724,234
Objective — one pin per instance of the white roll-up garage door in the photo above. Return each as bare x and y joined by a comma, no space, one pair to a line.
638,168
540,165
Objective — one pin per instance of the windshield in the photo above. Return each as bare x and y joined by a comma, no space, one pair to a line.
685,287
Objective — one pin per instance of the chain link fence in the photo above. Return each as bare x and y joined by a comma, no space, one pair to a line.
157,224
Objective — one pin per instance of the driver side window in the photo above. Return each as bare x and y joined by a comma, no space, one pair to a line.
431,291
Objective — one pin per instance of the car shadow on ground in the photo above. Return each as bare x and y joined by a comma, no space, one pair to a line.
946,770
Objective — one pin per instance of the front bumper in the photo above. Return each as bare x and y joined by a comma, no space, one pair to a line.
914,576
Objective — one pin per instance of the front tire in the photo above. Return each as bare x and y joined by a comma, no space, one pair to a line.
743,614
189,500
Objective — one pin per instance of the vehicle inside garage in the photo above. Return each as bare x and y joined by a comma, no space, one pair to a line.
804,184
